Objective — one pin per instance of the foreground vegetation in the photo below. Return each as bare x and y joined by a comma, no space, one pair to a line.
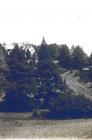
33,81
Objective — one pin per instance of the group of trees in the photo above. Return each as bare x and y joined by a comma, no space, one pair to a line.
32,81
74,57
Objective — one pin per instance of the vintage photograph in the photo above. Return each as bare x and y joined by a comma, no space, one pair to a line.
46,69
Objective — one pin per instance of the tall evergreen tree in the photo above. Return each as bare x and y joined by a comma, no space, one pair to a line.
43,53
22,80
3,71
65,57
90,59
79,58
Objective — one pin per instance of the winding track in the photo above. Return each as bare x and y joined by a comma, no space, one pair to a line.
73,83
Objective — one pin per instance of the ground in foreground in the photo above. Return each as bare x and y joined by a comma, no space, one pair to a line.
19,125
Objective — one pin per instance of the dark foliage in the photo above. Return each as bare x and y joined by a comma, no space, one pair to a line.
65,57
33,81
79,58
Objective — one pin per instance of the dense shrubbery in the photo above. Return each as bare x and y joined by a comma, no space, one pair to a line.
32,81
68,105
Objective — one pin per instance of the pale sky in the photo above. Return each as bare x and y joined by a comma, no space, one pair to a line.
59,21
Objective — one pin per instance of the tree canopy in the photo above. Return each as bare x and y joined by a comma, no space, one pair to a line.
34,81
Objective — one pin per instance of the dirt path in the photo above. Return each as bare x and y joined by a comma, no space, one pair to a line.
73,83
78,128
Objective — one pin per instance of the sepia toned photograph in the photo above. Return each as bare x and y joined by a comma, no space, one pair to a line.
46,69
